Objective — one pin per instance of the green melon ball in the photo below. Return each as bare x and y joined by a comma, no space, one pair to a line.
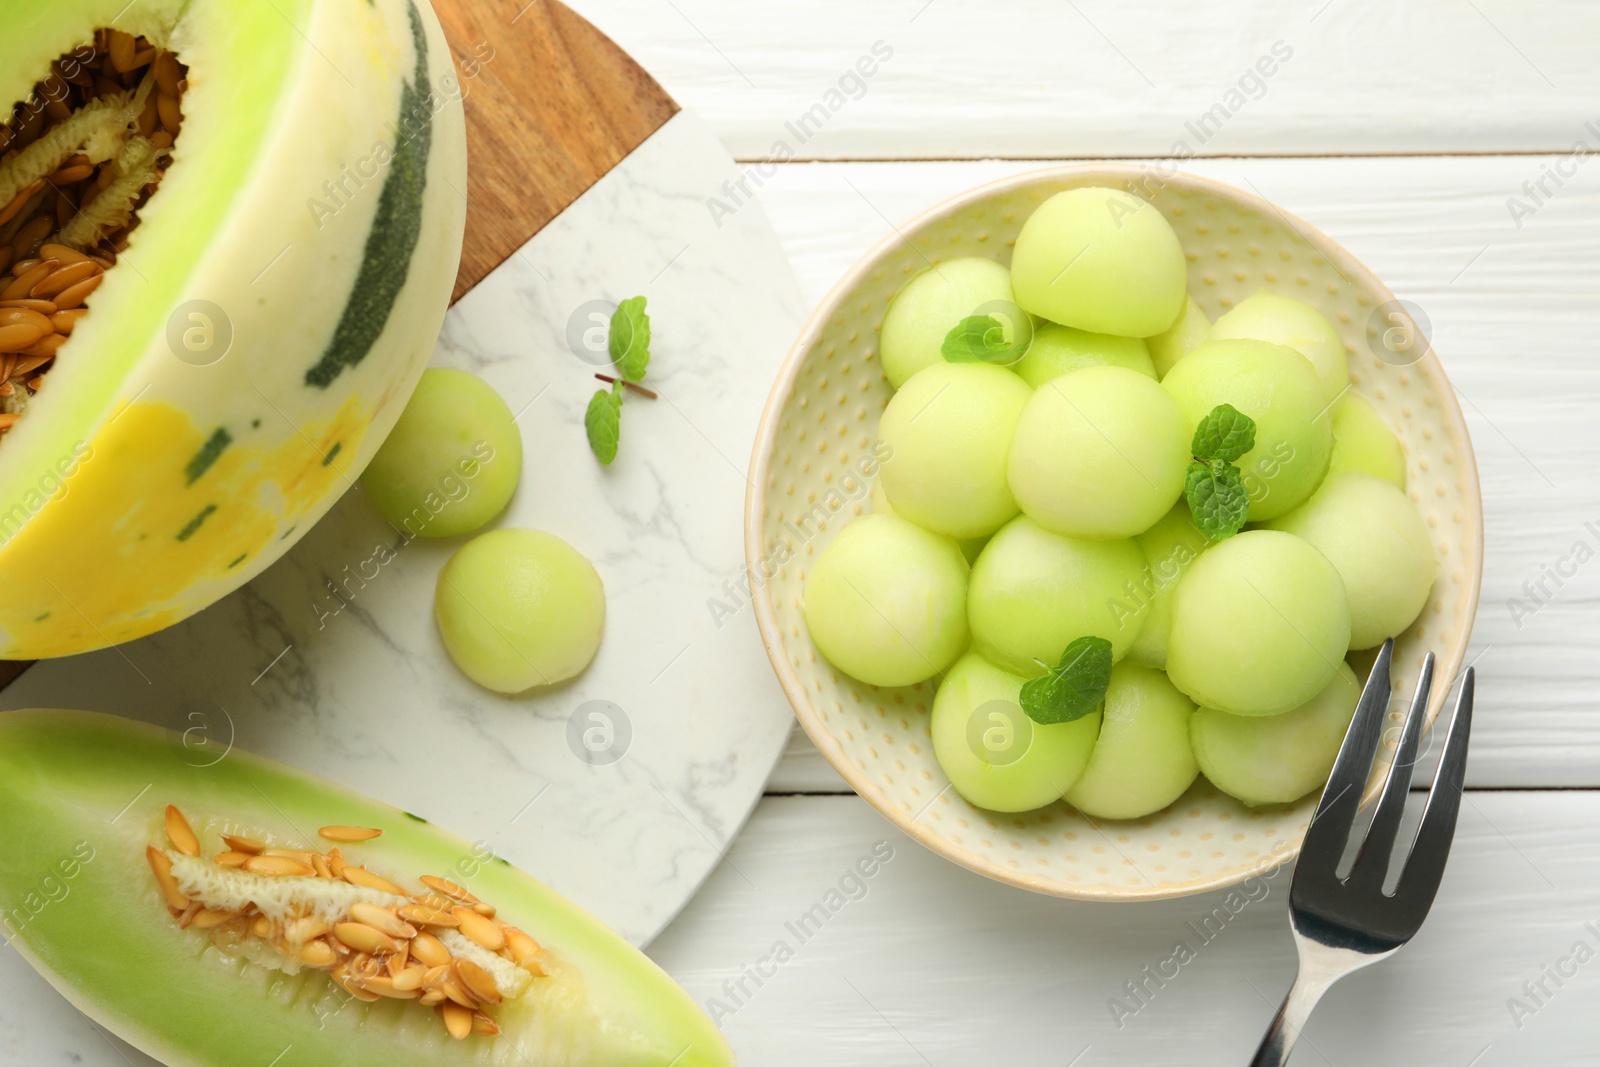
1034,592
1055,350
1187,334
948,432
1362,441
519,608
1276,387
1378,542
1099,453
1170,546
453,460
1142,760
1259,624
995,756
930,305
886,601
1282,320
1276,759
1101,260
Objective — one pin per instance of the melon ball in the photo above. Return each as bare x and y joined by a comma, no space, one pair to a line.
519,608
995,756
931,304
948,433
1170,547
886,601
1282,320
1055,350
1034,592
1276,387
1142,760
1185,335
453,460
1101,260
1259,624
1276,759
1099,453
1362,441
1378,542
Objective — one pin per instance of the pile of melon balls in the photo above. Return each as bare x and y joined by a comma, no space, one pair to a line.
1026,504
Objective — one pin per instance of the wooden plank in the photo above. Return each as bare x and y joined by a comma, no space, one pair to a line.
1092,78
552,105
930,963
1514,317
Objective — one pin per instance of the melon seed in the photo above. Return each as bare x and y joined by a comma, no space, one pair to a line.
348,834
430,950
477,981
449,889
180,833
382,919
457,1019
161,864
366,879
481,930
279,866
364,938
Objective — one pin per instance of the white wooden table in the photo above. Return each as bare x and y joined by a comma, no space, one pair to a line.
1407,132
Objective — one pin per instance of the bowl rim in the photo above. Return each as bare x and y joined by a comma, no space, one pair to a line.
1448,666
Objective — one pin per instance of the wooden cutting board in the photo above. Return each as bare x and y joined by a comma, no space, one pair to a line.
552,106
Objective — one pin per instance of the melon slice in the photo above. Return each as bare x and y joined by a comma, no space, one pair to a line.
272,218
203,949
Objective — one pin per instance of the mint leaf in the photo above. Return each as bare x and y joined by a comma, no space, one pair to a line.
1216,498
1074,687
979,339
1226,434
603,422
629,339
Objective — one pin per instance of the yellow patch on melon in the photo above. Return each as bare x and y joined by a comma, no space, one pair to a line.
123,507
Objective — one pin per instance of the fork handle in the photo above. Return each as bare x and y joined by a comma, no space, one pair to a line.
1291,1018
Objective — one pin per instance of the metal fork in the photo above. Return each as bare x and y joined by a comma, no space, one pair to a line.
1343,924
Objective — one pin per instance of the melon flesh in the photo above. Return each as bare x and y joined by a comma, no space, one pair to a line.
314,206
82,799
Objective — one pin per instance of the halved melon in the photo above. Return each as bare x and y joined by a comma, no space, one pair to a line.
174,938
258,332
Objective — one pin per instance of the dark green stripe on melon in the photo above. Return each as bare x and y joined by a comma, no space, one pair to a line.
395,229
203,459
194,524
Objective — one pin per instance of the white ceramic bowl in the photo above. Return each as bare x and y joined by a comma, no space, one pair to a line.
817,436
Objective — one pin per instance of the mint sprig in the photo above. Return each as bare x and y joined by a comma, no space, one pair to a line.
629,339
1074,687
982,339
603,422
628,342
1213,484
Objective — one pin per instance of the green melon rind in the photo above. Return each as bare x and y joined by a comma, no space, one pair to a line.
85,792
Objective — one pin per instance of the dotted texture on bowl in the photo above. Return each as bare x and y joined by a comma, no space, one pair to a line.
816,458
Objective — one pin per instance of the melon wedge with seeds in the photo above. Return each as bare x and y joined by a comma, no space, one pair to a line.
263,315
104,896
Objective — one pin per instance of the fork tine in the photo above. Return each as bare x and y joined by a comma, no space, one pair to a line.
1330,826
1419,881
1372,862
